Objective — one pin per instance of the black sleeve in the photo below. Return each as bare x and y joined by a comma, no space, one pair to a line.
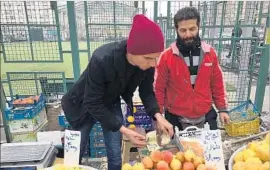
94,96
147,94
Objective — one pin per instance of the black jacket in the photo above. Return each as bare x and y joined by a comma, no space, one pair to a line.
103,82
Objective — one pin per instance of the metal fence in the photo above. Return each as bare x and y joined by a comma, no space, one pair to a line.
57,38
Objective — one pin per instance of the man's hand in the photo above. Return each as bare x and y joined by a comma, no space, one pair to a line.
224,117
134,137
163,125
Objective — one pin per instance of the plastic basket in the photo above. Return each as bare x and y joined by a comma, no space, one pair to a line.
30,101
24,113
245,125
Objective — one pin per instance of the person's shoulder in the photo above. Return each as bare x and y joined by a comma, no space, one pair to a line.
104,50
166,53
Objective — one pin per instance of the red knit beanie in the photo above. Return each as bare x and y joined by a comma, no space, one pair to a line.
145,37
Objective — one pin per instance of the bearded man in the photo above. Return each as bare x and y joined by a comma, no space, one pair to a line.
188,77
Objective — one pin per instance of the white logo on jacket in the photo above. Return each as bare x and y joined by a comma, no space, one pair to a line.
208,64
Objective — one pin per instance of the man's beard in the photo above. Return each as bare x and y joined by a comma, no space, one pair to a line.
188,43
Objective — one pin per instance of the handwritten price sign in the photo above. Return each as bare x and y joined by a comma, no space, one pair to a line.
213,148
72,147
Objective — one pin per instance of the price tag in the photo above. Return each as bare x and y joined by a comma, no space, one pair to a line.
213,148
72,147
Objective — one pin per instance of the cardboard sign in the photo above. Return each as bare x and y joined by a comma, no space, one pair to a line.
72,147
213,148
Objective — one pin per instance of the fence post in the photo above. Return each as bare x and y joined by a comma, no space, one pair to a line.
73,39
3,108
155,11
143,7
264,69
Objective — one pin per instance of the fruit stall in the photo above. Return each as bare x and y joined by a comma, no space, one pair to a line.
241,144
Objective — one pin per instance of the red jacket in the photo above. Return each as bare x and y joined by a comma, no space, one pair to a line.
173,87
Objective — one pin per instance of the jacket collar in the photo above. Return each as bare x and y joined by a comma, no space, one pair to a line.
205,48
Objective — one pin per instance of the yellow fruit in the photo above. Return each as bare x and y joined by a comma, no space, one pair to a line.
238,157
134,109
138,166
253,145
248,153
126,166
254,160
265,166
197,161
175,164
132,126
130,119
189,155
263,152
59,167
251,166
239,166
267,139
180,156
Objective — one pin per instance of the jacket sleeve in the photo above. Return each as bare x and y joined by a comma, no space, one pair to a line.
160,83
147,95
94,96
218,86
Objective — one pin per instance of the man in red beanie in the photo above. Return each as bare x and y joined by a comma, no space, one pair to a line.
116,70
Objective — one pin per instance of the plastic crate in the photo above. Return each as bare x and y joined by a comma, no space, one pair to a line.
24,113
98,152
41,98
62,121
244,125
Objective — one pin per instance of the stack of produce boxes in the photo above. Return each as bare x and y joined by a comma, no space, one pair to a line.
25,117
97,143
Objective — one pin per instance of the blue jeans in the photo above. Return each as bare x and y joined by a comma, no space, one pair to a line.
113,140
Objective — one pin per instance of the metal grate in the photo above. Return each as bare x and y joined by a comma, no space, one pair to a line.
109,21
30,31
51,84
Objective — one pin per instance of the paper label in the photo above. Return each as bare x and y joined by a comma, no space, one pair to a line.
72,147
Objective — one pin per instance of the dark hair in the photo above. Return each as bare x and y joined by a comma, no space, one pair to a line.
186,13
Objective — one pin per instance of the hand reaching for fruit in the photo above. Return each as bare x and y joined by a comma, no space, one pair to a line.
163,126
135,138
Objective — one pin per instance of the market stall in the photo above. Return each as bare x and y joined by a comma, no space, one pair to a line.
244,141
247,134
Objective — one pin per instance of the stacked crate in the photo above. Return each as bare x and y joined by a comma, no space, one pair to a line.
25,117
97,143
138,118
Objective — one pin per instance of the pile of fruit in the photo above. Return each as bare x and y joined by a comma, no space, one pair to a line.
28,100
166,160
256,156
66,167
